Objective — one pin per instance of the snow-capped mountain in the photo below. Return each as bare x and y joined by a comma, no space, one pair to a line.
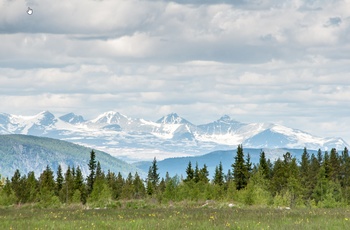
170,136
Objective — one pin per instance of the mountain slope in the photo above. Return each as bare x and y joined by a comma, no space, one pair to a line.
135,139
30,153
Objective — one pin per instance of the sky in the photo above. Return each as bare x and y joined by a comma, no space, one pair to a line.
285,62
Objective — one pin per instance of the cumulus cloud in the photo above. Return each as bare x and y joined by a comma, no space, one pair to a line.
258,61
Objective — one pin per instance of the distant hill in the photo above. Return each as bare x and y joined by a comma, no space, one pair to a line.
178,165
31,153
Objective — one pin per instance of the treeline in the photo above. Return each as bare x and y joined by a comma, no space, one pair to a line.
321,180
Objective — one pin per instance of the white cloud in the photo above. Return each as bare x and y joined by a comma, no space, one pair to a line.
255,60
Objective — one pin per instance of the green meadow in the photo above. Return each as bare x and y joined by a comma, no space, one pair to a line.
140,215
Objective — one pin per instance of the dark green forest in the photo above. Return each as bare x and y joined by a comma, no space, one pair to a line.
316,180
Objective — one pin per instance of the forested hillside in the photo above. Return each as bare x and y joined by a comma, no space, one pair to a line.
31,153
321,180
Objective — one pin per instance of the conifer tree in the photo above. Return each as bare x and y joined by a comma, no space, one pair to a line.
219,175
59,180
154,175
47,187
334,165
263,165
189,172
279,177
248,165
32,187
203,174
128,188
139,187
68,187
326,164
304,165
240,169
196,174
17,186
92,168
320,157
79,185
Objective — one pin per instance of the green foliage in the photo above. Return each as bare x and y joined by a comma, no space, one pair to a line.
92,167
219,175
240,171
313,183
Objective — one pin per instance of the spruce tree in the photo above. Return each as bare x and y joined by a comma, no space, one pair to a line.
196,174
59,180
139,187
263,165
154,174
32,187
203,174
189,172
92,168
219,175
240,172
334,165
79,185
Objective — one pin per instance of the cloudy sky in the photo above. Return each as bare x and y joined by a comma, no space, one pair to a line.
286,62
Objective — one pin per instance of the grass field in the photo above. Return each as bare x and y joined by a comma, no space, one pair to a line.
176,217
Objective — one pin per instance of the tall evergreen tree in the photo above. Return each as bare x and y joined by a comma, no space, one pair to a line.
334,165
154,176
240,169
263,165
32,187
139,187
204,174
68,187
17,186
196,174
219,175
59,180
92,168
189,172
79,185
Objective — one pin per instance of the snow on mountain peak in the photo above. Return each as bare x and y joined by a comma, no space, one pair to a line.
110,117
225,118
172,118
72,118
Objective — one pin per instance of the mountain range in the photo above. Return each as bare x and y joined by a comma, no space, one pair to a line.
135,139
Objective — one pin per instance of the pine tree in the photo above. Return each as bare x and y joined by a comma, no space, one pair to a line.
47,187
248,165
17,186
305,171
279,177
32,187
263,165
189,172
326,164
154,175
196,174
79,185
334,165
128,188
59,180
240,171
92,168
139,187
68,187
204,174
219,175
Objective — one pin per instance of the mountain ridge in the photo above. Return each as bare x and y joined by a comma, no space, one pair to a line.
134,139
31,153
